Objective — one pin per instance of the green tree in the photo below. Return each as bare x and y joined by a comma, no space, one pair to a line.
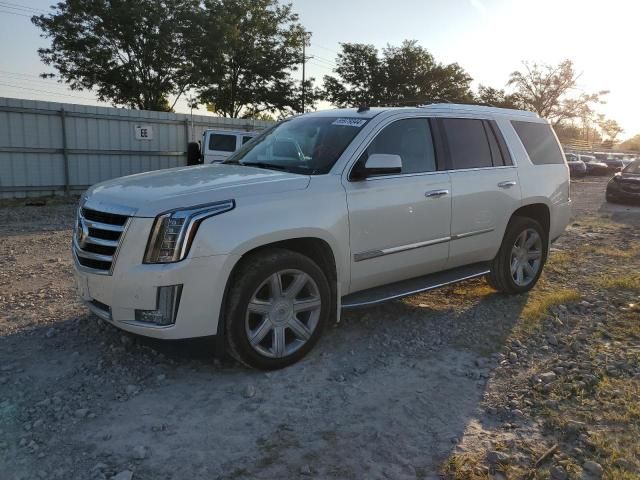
404,75
494,97
244,53
128,53
550,91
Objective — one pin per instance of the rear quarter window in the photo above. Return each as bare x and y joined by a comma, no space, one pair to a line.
222,143
539,142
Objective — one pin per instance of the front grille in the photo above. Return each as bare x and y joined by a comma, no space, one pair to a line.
96,239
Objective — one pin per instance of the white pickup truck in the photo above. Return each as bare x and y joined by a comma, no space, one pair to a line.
218,145
329,210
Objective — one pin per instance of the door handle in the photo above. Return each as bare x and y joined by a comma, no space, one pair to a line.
508,184
436,193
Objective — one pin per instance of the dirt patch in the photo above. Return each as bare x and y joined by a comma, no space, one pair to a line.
411,389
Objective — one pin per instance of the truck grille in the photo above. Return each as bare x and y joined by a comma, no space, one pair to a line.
96,239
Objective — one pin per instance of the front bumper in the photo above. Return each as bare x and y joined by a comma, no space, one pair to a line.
134,286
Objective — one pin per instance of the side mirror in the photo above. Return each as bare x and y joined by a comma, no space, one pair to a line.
383,163
193,153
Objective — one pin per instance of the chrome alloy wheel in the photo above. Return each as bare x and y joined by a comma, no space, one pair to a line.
283,313
526,257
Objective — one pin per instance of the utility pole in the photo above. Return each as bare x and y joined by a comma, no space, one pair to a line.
305,39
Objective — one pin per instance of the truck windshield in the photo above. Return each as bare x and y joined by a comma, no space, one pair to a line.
307,145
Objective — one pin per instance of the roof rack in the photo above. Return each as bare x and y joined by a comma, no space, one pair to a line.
456,107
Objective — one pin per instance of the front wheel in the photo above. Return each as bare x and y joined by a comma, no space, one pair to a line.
518,264
278,305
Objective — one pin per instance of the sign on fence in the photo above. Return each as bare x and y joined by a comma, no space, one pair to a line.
144,132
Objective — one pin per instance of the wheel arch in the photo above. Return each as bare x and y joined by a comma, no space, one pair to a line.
317,249
538,211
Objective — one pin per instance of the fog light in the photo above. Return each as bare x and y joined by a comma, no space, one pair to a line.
166,307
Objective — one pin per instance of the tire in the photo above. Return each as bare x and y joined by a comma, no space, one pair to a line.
278,305
515,249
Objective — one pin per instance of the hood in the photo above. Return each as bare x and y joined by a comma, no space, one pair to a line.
151,193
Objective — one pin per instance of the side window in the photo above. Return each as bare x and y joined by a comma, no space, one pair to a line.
222,143
467,142
409,138
496,154
245,139
539,142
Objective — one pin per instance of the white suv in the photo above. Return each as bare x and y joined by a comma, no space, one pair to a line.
325,211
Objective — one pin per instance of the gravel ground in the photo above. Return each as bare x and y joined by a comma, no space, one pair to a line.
417,388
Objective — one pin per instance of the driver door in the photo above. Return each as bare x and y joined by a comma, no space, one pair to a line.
399,224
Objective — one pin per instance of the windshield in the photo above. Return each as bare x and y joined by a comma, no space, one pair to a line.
633,167
308,145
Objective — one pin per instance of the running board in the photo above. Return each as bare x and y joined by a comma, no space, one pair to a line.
393,291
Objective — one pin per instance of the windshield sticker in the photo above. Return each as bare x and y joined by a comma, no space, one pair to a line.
350,122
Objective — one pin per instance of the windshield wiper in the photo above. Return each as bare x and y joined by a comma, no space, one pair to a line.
269,166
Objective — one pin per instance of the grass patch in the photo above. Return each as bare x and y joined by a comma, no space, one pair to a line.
539,303
464,467
629,281
613,252
558,261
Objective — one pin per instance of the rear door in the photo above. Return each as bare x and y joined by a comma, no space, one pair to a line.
484,186
399,224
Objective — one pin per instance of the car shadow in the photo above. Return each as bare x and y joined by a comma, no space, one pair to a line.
387,393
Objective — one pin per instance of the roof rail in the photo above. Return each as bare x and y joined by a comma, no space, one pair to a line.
457,107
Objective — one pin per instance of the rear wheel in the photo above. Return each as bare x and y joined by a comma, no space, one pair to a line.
518,264
278,305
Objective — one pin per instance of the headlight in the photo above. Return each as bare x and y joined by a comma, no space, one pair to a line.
173,232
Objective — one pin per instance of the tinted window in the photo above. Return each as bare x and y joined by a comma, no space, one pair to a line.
496,155
468,143
411,139
222,143
245,139
504,150
539,142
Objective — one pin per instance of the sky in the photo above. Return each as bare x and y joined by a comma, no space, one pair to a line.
488,38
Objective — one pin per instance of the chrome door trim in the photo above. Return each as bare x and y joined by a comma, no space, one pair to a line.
472,233
358,257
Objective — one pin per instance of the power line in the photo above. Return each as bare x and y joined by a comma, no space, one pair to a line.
46,91
17,6
15,13
324,59
321,65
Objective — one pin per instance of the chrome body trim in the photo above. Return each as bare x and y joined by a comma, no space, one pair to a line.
98,312
102,226
86,239
471,234
358,257
436,193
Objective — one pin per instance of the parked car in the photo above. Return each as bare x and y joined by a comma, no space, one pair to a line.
218,145
577,168
625,185
594,166
328,210
614,162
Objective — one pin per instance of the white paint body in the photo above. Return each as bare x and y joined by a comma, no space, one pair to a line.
350,216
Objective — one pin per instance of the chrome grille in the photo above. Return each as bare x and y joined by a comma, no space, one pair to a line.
96,239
